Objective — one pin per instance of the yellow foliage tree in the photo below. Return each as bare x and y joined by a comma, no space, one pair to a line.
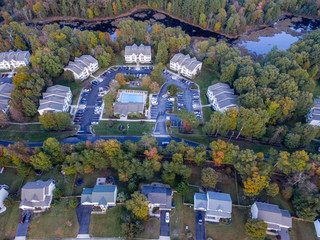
254,185
138,204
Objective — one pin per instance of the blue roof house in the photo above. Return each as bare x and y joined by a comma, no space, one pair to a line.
216,205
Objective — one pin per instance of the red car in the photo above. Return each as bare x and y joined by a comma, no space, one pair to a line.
23,217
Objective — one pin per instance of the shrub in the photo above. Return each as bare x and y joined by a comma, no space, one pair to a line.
73,202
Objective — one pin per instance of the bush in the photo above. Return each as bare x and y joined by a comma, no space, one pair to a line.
73,202
292,140
132,187
172,89
287,193
57,193
9,201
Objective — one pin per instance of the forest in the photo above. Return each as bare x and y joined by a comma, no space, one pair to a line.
225,16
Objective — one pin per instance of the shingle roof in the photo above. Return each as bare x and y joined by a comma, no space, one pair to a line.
227,103
125,108
185,61
53,99
101,194
59,88
80,64
37,185
158,194
51,106
137,50
200,200
13,55
219,202
273,214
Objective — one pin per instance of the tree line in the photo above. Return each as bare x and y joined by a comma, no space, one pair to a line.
226,16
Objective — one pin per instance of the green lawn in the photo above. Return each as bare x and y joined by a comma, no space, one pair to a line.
151,229
119,59
182,217
107,225
58,222
235,231
302,230
10,177
33,133
135,128
9,221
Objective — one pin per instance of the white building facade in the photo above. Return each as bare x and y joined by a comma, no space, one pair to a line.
313,116
185,65
222,97
14,59
83,67
137,54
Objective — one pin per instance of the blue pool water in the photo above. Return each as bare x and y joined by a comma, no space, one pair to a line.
125,97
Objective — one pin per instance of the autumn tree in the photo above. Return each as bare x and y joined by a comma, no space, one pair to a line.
138,204
121,80
209,178
41,161
296,162
272,190
256,229
255,184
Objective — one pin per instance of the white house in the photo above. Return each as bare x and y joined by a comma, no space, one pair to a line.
5,91
56,99
222,97
185,65
135,54
14,59
313,116
276,219
101,195
216,205
82,67
159,196
3,196
37,196
317,227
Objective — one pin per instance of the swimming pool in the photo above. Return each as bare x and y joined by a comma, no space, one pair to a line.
125,97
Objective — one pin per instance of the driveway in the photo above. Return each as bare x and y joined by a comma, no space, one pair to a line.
23,228
200,228
164,227
284,234
83,215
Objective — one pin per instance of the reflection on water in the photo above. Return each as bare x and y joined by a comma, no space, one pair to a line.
282,40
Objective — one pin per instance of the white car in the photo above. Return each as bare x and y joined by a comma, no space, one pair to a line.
167,217
171,99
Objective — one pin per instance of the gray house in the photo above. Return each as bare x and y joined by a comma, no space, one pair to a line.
37,196
159,196
134,54
216,205
276,219
5,91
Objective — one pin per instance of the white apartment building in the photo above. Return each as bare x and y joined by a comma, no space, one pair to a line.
13,59
222,97
184,65
82,67
135,54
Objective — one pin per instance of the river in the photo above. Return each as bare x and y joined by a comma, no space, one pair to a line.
284,32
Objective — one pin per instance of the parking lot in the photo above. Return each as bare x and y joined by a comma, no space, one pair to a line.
7,77
90,106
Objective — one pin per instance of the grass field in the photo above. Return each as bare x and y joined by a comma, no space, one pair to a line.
32,133
151,229
9,222
10,177
107,225
302,230
135,128
58,222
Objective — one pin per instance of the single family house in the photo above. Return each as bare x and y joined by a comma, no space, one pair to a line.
313,116
82,67
185,65
13,59
37,196
137,54
222,97
159,196
276,219
215,205
3,195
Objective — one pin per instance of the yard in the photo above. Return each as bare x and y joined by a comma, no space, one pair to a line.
58,222
33,133
10,177
302,230
9,221
183,216
135,128
75,87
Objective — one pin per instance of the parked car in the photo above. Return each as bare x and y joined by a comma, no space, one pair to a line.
22,218
200,219
28,217
167,217
84,94
87,89
83,102
76,120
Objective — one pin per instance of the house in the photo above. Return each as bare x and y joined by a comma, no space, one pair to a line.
137,54
5,91
56,99
101,195
3,196
222,97
37,196
159,196
82,67
317,227
215,205
185,65
276,219
313,116
13,59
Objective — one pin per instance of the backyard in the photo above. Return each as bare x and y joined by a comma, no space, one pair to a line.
135,128
9,222
33,133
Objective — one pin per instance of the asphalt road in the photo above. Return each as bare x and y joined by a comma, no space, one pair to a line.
93,96
164,227
200,228
84,215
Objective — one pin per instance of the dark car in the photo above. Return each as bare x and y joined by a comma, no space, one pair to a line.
94,82
83,102
99,100
80,111
28,217
76,120
200,219
23,217
84,94
83,99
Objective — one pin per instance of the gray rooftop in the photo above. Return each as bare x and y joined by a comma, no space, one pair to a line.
53,99
125,108
101,194
137,50
186,61
228,103
272,214
158,194
51,106
14,55
59,88
81,63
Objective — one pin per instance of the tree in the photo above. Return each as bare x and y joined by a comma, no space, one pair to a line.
55,121
73,202
172,89
146,82
41,161
121,80
292,140
138,204
57,193
183,189
255,184
20,78
51,147
306,206
189,117
162,53
297,162
256,229
156,74
8,201
131,226
209,178
3,120
272,190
